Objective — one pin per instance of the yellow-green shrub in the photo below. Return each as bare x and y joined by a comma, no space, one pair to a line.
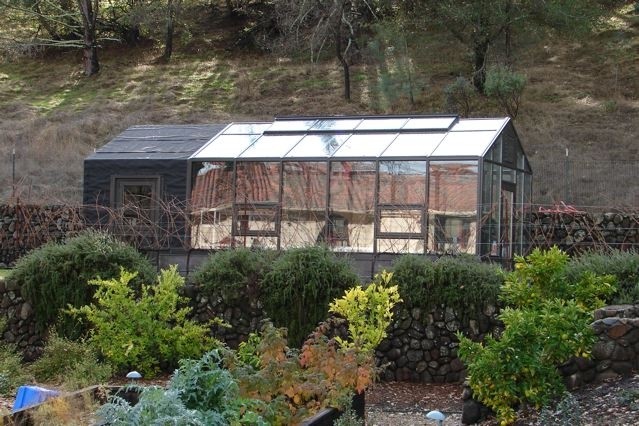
546,323
147,332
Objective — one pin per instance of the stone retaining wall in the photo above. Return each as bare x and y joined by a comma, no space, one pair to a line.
25,227
20,328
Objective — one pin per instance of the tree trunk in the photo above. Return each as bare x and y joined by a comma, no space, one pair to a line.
480,51
168,41
343,61
88,11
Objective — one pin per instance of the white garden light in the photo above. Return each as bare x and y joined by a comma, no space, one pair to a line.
438,416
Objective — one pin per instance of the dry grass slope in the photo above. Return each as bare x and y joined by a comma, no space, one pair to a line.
582,96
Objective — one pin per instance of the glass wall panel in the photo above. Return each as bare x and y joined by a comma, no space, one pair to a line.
212,204
519,214
256,203
401,199
489,209
452,207
303,203
400,245
351,207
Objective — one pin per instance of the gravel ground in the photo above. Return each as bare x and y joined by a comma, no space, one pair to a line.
611,403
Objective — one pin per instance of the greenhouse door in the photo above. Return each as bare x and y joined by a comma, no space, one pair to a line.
507,219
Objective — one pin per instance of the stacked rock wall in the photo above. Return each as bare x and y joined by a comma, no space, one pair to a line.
616,351
25,227
20,327
576,231
422,346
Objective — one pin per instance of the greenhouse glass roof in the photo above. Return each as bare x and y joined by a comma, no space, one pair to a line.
421,136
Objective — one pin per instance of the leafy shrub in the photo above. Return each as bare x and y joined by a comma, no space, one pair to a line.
301,284
144,332
460,95
73,364
461,283
623,265
547,322
506,87
234,274
56,275
368,312
199,393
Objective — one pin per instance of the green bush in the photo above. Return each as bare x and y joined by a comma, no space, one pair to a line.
546,323
506,86
199,393
301,284
147,332
623,265
461,283
234,274
71,364
56,275
12,373
460,97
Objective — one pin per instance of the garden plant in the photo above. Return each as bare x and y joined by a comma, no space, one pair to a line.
546,322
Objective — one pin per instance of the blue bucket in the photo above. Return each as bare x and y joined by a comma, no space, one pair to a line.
31,395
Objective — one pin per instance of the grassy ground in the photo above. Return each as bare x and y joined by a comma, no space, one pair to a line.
582,96
4,273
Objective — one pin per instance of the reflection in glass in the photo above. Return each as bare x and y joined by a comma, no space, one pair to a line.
317,146
291,125
387,124
247,128
429,123
352,190
402,182
336,124
303,203
400,246
464,143
365,145
452,207
212,204
226,146
269,146
413,145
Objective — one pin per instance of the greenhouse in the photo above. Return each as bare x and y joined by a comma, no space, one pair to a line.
371,185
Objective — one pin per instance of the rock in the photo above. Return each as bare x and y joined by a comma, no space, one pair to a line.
25,311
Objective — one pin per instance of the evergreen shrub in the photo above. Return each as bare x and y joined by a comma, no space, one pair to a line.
302,282
233,274
58,274
462,283
623,265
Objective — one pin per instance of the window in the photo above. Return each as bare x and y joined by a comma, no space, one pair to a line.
453,234
137,199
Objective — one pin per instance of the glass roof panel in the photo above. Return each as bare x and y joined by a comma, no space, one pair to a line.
464,144
317,146
429,123
291,125
337,124
247,128
365,145
390,124
271,146
414,145
478,124
226,146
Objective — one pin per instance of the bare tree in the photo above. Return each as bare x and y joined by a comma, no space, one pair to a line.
89,10
318,24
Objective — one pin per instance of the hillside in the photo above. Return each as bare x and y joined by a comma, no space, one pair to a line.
582,98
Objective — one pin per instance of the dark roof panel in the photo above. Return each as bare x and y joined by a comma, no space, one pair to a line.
158,141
